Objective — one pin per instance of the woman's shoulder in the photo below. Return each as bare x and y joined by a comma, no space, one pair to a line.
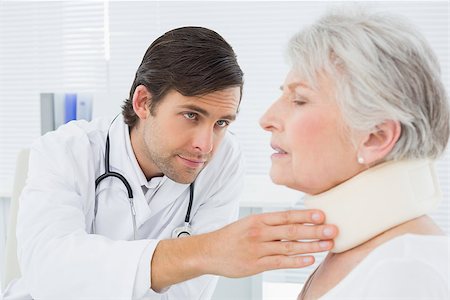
407,266
419,251
413,246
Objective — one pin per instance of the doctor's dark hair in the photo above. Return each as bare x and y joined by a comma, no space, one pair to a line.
193,61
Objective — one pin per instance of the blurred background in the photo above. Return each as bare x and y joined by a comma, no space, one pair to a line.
95,47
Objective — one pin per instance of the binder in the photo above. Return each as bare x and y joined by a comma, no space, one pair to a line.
70,105
59,108
47,114
84,106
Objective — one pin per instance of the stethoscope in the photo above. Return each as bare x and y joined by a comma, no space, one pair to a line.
183,231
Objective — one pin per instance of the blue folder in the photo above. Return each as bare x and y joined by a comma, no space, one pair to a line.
70,111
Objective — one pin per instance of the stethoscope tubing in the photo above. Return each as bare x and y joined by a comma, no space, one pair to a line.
109,173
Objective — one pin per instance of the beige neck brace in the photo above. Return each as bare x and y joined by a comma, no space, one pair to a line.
378,199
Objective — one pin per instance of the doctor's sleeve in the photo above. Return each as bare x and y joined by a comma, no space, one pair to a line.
58,257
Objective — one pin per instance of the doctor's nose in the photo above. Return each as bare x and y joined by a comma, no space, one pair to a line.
203,140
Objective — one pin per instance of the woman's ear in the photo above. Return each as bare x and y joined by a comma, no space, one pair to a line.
377,144
141,102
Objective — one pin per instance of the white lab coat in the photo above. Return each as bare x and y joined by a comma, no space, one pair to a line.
60,259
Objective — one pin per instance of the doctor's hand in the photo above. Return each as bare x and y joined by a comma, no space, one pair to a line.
251,245
268,241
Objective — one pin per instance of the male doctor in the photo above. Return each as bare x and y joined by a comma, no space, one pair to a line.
132,208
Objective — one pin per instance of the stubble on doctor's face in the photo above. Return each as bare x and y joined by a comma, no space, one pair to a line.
182,134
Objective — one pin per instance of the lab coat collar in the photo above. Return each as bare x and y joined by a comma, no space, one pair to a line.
123,160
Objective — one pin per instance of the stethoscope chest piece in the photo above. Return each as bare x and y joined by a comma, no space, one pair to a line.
184,231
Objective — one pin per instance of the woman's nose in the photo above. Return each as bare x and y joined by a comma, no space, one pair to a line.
270,119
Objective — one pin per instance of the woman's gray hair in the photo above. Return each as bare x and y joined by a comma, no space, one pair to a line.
383,69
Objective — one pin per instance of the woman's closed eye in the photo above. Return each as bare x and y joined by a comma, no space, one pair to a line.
299,100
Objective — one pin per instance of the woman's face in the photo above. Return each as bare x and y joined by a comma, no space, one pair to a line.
313,150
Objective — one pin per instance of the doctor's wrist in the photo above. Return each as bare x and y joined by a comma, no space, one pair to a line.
177,260
204,256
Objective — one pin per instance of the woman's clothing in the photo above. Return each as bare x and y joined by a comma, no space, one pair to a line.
372,202
409,267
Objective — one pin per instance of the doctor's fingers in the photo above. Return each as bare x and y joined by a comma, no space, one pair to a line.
295,248
294,232
274,262
312,216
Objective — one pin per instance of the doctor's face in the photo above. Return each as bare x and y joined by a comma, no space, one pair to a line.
313,150
183,133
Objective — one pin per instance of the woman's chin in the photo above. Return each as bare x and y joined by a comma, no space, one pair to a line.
274,176
292,184
282,180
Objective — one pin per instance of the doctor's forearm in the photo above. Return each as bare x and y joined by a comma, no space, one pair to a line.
246,247
178,260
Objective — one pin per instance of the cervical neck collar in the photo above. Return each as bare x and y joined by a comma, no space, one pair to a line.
378,199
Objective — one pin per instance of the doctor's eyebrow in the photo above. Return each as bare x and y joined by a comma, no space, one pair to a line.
206,113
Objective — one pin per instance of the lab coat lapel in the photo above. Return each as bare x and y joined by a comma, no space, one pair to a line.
169,192
120,161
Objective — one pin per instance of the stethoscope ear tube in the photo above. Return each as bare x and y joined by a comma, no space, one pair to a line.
187,219
186,230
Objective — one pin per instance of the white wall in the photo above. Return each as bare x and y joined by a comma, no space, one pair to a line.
96,47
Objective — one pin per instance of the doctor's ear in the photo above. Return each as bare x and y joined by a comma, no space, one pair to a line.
141,102
378,143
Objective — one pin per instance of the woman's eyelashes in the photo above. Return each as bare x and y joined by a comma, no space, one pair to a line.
299,99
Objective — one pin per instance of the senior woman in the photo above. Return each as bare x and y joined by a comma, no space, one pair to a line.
362,115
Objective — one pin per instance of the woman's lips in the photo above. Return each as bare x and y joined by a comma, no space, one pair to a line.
280,153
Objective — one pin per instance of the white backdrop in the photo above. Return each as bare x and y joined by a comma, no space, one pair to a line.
96,47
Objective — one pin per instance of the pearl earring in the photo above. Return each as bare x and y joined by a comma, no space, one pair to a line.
360,160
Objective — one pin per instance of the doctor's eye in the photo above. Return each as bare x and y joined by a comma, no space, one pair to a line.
190,116
223,123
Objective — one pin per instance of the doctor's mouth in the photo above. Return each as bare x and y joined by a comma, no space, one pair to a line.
192,162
